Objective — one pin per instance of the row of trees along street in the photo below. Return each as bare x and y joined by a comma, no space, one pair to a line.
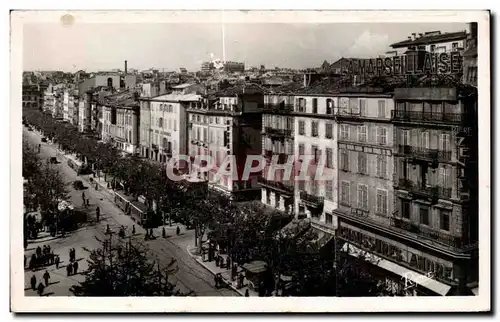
246,232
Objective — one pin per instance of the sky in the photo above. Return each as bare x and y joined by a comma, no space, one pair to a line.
94,47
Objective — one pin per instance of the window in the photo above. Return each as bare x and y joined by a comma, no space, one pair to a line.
405,139
362,107
329,190
405,209
381,108
302,150
345,193
454,46
362,196
160,122
425,140
302,126
329,219
445,142
433,48
444,219
301,105
361,162
302,185
175,125
315,106
381,202
344,132
424,215
362,133
329,158
316,153
381,166
382,135
329,130
445,179
329,106
344,160
314,128
353,105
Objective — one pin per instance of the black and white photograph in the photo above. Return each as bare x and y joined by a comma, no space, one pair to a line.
333,157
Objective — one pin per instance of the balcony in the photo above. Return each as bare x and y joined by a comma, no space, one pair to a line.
278,108
277,133
285,187
155,147
427,117
421,190
312,200
430,233
425,154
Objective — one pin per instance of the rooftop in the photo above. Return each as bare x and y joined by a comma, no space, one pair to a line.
243,89
122,99
182,86
177,97
431,39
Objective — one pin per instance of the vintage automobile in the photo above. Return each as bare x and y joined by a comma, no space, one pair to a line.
78,185
53,160
44,140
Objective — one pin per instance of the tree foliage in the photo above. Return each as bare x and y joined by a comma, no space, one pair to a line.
122,268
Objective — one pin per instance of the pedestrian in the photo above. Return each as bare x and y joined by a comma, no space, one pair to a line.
221,262
163,232
247,294
32,261
40,289
216,279
228,263
33,282
133,229
57,260
88,202
74,254
151,232
217,261
75,268
178,231
71,254
69,268
97,213
38,251
46,277
48,249
108,231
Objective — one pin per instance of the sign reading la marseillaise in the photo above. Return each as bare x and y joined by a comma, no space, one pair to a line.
416,64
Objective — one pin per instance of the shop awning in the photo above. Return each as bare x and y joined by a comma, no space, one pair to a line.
429,283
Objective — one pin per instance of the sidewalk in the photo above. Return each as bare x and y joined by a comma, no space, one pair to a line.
226,273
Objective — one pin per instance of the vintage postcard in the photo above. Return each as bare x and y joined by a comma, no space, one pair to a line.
250,161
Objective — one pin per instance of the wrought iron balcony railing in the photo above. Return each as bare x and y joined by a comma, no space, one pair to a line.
155,147
278,108
285,186
423,190
277,132
439,117
428,154
430,233
316,201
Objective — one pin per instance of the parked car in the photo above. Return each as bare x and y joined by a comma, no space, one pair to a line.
78,185
53,160
44,140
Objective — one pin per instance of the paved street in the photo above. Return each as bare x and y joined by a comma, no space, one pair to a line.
190,276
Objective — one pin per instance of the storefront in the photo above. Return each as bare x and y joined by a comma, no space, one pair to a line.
422,272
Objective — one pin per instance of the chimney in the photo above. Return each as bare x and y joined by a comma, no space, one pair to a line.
125,67
420,35
413,36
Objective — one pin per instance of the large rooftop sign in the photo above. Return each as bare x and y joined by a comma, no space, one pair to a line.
414,63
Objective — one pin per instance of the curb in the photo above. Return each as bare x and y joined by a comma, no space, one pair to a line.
230,284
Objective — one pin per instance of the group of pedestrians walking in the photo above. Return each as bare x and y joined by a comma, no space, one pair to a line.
41,286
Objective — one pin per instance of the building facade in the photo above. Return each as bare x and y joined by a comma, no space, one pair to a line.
433,42
32,96
278,134
227,127
470,57
316,150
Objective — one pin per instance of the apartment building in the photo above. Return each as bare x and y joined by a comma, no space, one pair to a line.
32,96
228,123
163,120
470,57
120,117
315,144
278,135
436,181
432,41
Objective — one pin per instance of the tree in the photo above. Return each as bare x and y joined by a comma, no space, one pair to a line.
121,268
